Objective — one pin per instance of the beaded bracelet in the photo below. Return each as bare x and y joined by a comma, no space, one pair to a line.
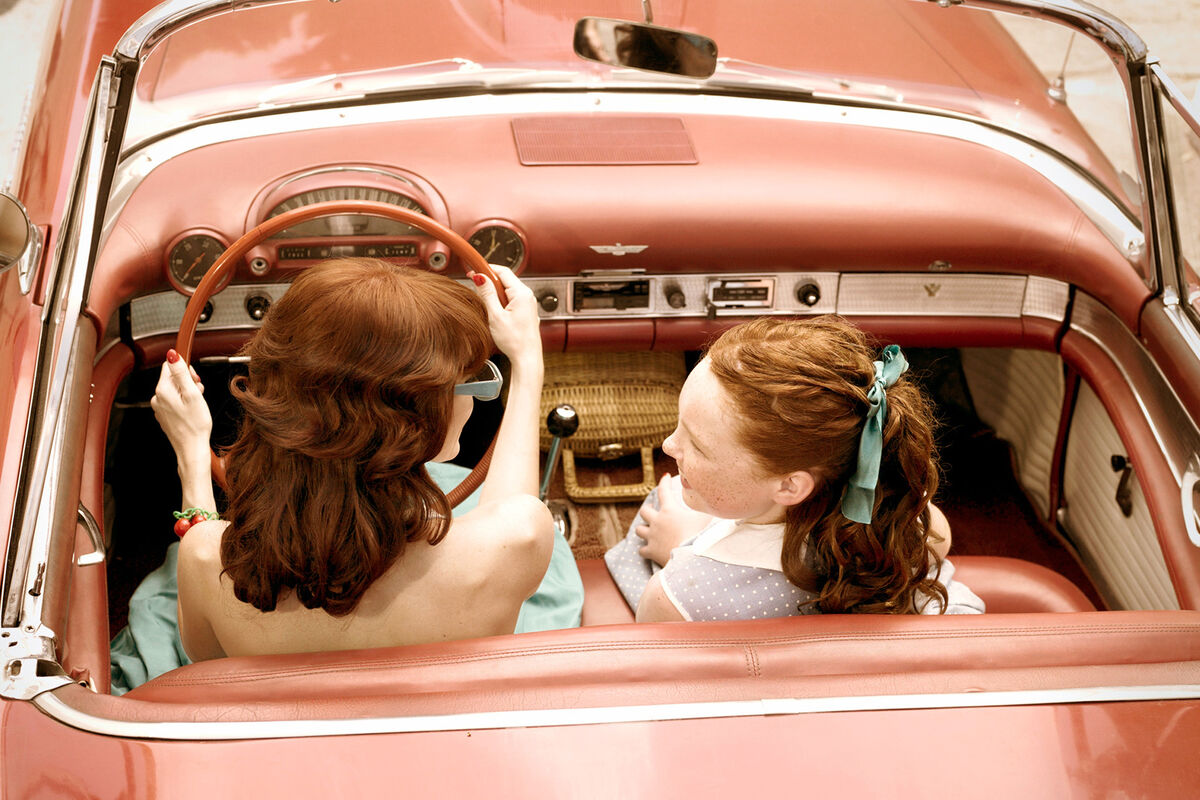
189,517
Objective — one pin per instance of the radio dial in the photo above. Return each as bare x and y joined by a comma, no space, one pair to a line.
256,306
548,301
675,297
809,294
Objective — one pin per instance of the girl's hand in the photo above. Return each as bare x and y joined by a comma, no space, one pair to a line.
514,327
671,524
180,409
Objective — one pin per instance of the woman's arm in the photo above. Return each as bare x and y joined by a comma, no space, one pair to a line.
514,468
180,409
197,576
939,527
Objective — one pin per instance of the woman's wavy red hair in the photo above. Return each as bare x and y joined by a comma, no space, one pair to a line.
799,388
349,394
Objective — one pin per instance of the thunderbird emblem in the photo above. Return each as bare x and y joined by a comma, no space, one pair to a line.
932,289
618,249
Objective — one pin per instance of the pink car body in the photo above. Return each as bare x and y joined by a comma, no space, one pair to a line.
900,158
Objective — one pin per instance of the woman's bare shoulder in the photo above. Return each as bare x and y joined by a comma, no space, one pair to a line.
201,546
517,531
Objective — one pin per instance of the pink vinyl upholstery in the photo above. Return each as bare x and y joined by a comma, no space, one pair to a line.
1007,585
611,664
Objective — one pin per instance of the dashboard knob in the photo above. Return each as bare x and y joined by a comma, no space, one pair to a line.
256,306
809,294
548,301
206,312
675,296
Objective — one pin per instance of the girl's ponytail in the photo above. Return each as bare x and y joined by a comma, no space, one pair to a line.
802,392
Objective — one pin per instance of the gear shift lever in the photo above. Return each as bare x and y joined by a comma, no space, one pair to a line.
562,422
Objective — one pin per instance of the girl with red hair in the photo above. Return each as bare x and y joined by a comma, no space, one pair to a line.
336,536
806,470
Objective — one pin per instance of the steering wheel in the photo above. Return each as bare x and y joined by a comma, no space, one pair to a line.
228,261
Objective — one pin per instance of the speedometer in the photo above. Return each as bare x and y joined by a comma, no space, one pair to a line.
348,224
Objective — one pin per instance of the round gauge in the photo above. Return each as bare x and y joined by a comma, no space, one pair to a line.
189,258
499,244
348,224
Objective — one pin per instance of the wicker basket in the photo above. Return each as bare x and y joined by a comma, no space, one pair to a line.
627,402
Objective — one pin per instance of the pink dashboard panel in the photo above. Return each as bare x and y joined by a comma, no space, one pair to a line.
809,196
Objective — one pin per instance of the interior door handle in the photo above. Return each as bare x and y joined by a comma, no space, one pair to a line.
1188,497
90,525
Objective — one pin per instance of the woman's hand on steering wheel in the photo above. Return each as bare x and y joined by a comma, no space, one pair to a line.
181,411
514,326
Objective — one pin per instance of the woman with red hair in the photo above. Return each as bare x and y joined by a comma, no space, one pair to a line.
336,536
806,471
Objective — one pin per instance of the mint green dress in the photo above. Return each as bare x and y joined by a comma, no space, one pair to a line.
149,645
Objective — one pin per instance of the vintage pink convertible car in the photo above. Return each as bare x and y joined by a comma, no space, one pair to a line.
904,163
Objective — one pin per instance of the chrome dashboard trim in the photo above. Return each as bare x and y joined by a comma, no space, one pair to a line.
54,707
1116,225
909,295
1046,298
1171,425
850,294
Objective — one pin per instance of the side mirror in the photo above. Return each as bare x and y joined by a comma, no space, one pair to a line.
20,240
622,43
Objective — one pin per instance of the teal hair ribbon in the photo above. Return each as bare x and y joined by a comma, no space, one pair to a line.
859,499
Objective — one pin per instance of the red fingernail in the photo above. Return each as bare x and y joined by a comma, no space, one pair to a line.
172,356
479,279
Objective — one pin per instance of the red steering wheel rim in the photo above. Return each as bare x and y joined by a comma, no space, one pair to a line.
229,259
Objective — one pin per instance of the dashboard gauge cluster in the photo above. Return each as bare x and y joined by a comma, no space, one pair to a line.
191,253
499,242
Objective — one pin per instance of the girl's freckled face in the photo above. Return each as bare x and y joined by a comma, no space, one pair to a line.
719,476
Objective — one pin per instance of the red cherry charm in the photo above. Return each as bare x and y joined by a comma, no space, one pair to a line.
181,526
197,518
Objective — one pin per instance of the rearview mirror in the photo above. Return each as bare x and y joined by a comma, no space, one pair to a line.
20,241
622,43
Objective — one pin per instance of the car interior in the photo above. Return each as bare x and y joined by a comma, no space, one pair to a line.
651,228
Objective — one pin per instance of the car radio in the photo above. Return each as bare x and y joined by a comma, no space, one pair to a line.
610,295
741,293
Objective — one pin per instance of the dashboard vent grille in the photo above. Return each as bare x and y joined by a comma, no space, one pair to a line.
586,140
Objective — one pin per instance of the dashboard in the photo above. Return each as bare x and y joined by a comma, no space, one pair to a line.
799,215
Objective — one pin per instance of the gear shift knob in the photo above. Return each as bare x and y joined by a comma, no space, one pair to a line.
562,421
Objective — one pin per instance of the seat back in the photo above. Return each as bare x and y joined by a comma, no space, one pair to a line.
1007,586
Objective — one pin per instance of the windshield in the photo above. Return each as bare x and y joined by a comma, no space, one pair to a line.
890,51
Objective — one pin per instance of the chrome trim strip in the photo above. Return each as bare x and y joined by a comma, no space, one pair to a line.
1046,298
164,18
1109,31
1116,225
61,317
51,705
887,294
1173,428
161,313
1179,319
908,295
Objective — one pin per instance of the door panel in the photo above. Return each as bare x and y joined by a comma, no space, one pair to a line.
1122,553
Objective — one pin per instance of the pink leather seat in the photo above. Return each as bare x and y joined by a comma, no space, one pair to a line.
618,664
1007,586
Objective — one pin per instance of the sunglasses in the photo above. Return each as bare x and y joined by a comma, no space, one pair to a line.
484,386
